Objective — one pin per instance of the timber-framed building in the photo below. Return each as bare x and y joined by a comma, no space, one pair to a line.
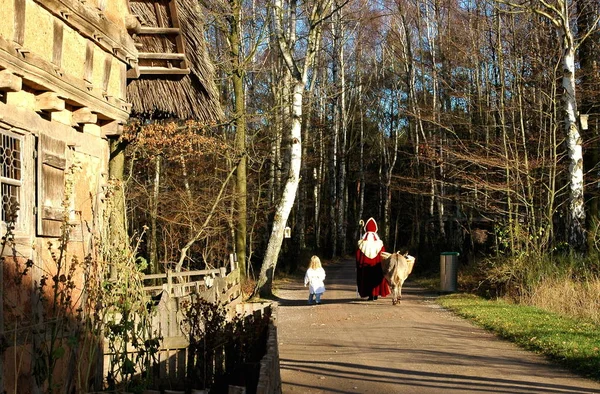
65,66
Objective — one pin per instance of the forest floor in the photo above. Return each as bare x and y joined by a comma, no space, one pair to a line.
351,345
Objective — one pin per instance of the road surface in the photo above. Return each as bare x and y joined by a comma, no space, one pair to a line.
349,345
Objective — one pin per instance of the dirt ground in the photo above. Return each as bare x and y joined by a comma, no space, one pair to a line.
349,345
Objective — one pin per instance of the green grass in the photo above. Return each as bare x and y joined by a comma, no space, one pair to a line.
572,343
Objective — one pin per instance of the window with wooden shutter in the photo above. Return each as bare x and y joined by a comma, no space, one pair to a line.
51,185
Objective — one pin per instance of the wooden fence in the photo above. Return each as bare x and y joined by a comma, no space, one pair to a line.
176,362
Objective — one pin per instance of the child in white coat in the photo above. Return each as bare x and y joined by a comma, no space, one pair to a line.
314,278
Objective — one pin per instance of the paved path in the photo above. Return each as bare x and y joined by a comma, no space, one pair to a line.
347,345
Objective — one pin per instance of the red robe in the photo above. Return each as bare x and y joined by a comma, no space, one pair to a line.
369,275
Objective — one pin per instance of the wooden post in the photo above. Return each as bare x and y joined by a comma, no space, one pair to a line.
169,282
232,261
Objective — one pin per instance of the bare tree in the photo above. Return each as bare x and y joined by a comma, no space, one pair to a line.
299,80
558,13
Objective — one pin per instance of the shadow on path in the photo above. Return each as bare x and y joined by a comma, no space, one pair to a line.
350,345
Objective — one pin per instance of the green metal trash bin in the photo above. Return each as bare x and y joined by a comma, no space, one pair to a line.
448,271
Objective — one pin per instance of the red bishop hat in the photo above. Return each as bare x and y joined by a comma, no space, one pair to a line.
371,226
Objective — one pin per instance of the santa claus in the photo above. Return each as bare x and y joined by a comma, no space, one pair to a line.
369,275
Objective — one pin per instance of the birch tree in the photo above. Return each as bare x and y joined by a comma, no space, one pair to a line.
558,13
299,80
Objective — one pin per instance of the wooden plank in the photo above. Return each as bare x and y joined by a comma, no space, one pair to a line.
163,358
51,180
179,41
52,213
51,159
154,276
19,22
172,368
57,48
195,273
161,56
173,327
10,82
49,101
123,84
88,67
176,342
106,73
84,116
159,17
159,30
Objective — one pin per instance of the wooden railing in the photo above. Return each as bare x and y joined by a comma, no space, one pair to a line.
183,367
170,291
176,359
215,285
175,283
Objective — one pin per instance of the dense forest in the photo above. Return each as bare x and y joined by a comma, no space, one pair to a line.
459,125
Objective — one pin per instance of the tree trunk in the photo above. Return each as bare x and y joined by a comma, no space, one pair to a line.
237,76
587,13
284,207
153,253
265,280
577,236
117,219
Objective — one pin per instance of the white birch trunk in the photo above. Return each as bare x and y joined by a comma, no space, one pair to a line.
284,207
343,138
153,217
289,194
576,203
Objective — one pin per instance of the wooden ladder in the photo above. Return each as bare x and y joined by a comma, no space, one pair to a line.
167,31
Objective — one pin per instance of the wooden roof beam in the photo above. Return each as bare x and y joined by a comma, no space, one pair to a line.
159,30
49,101
112,128
10,82
163,71
161,56
84,116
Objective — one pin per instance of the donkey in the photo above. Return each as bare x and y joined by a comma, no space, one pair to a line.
396,268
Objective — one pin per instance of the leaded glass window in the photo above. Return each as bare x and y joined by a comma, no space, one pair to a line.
11,180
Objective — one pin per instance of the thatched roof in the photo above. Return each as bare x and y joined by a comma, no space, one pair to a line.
191,96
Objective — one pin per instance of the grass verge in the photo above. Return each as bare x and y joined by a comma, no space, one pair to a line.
572,343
